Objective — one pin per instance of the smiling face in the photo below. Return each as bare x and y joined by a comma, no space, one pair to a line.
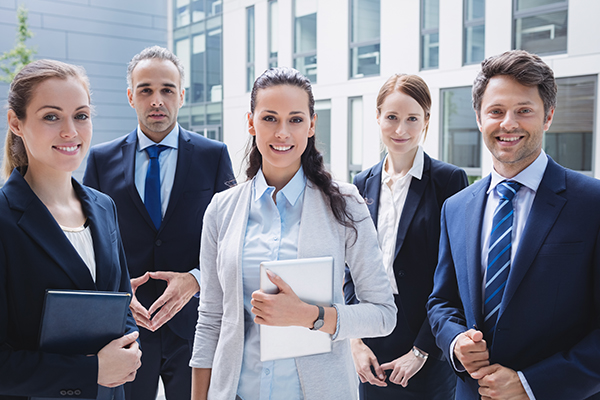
281,124
57,129
402,122
156,96
513,123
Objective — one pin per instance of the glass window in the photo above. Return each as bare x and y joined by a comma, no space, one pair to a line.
273,33
569,141
198,68
460,139
364,46
474,31
182,13
305,38
323,130
182,49
540,26
249,48
355,137
430,33
214,70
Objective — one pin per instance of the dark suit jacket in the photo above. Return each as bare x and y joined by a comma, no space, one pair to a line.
35,255
203,168
416,253
548,325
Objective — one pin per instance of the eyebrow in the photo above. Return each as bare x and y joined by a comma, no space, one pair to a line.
291,113
521,103
60,109
171,85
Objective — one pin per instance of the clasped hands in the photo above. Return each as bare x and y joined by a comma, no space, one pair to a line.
496,382
403,368
181,286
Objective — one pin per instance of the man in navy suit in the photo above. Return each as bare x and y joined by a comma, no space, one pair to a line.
161,193
526,327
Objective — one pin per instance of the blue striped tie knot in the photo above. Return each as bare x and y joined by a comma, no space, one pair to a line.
498,265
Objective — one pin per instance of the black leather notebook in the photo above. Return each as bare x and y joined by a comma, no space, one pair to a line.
82,322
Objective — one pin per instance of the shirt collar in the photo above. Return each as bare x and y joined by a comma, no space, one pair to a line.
529,177
171,140
416,170
291,191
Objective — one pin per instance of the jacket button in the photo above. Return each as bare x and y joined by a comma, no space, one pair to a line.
63,392
77,392
158,242
69,393
401,273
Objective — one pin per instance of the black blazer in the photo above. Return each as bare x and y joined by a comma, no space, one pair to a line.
416,253
203,169
35,255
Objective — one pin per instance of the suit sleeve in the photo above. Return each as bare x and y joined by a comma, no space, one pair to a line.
35,373
224,176
425,339
575,373
445,308
90,176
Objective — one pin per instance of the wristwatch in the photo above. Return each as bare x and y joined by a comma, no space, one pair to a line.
319,322
419,354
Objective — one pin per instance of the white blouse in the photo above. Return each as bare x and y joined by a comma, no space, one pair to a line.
81,239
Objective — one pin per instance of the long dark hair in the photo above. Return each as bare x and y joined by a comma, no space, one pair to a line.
311,160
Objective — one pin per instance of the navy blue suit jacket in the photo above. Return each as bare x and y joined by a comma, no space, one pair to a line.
203,169
35,255
549,319
416,253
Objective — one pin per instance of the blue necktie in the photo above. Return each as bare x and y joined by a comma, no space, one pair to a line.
498,256
152,190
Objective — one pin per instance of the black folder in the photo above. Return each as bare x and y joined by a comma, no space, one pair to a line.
82,322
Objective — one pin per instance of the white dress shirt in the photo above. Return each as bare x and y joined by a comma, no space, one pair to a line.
391,204
81,239
168,166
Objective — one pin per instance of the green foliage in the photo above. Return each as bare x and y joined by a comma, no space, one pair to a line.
13,60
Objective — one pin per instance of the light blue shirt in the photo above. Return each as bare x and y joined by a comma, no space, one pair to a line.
168,166
271,234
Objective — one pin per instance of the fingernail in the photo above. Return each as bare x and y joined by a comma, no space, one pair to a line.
381,376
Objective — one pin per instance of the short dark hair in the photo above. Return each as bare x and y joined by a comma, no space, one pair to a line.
526,68
154,53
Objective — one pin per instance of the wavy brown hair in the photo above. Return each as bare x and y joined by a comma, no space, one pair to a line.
311,159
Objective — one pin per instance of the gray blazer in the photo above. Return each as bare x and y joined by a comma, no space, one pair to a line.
219,337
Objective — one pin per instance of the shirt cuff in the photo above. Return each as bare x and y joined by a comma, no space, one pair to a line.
196,273
457,365
337,323
526,385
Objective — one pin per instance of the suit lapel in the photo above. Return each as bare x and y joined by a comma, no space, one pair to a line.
474,209
102,242
546,207
43,229
372,190
413,198
184,160
128,152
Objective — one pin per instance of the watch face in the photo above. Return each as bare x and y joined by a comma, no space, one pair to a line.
318,324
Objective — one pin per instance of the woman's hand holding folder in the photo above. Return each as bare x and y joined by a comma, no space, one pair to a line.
119,361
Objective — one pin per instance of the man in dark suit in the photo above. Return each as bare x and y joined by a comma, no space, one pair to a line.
161,177
516,298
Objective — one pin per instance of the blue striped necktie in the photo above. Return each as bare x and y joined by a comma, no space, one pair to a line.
498,265
152,190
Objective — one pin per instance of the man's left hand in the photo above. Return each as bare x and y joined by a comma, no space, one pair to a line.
181,287
498,383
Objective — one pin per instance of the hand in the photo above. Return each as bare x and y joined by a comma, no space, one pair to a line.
364,358
498,383
404,368
181,287
140,314
283,308
471,350
119,360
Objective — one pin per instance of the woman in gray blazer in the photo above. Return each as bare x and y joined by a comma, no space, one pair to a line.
289,208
